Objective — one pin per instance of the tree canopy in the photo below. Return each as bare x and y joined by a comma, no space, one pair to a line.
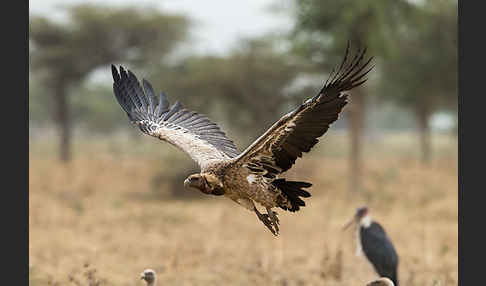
63,53
423,73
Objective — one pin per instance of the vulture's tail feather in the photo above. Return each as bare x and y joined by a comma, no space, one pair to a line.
293,192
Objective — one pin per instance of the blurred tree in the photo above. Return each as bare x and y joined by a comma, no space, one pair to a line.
422,75
322,30
37,102
95,36
95,109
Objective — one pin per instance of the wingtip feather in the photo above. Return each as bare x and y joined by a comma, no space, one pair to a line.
115,74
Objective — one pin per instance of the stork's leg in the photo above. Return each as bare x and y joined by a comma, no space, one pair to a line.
266,221
274,218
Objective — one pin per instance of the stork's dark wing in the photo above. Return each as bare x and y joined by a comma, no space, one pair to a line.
379,250
296,132
191,132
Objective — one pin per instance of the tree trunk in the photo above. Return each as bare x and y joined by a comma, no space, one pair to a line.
424,133
63,120
356,127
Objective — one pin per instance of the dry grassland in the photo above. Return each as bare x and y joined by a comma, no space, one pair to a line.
101,221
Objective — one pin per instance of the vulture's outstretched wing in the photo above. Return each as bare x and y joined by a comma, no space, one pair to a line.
191,132
296,132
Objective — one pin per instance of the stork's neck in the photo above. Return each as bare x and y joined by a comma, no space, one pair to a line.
365,221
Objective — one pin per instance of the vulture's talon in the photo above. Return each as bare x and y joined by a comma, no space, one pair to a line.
268,222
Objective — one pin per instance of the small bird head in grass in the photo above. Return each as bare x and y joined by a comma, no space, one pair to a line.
149,276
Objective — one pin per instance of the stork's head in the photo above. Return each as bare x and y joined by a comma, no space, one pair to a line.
149,276
206,183
360,215
361,212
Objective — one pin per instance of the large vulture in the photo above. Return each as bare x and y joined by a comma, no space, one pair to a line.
253,175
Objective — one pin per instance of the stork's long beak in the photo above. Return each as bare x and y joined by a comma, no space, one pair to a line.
347,225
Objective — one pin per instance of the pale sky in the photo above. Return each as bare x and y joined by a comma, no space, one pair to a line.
218,24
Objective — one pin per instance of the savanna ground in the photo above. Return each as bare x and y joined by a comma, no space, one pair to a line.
105,217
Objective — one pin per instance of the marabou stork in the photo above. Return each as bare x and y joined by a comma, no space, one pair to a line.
376,245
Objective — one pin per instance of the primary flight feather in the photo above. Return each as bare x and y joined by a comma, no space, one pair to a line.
253,175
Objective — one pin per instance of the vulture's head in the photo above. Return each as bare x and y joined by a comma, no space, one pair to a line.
149,276
206,183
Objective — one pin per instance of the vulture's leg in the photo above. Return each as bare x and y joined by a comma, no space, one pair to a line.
274,218
266,220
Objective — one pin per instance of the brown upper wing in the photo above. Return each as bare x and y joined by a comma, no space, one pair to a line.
191,132
296,132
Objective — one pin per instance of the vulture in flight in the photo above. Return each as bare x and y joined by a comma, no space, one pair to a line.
254,175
